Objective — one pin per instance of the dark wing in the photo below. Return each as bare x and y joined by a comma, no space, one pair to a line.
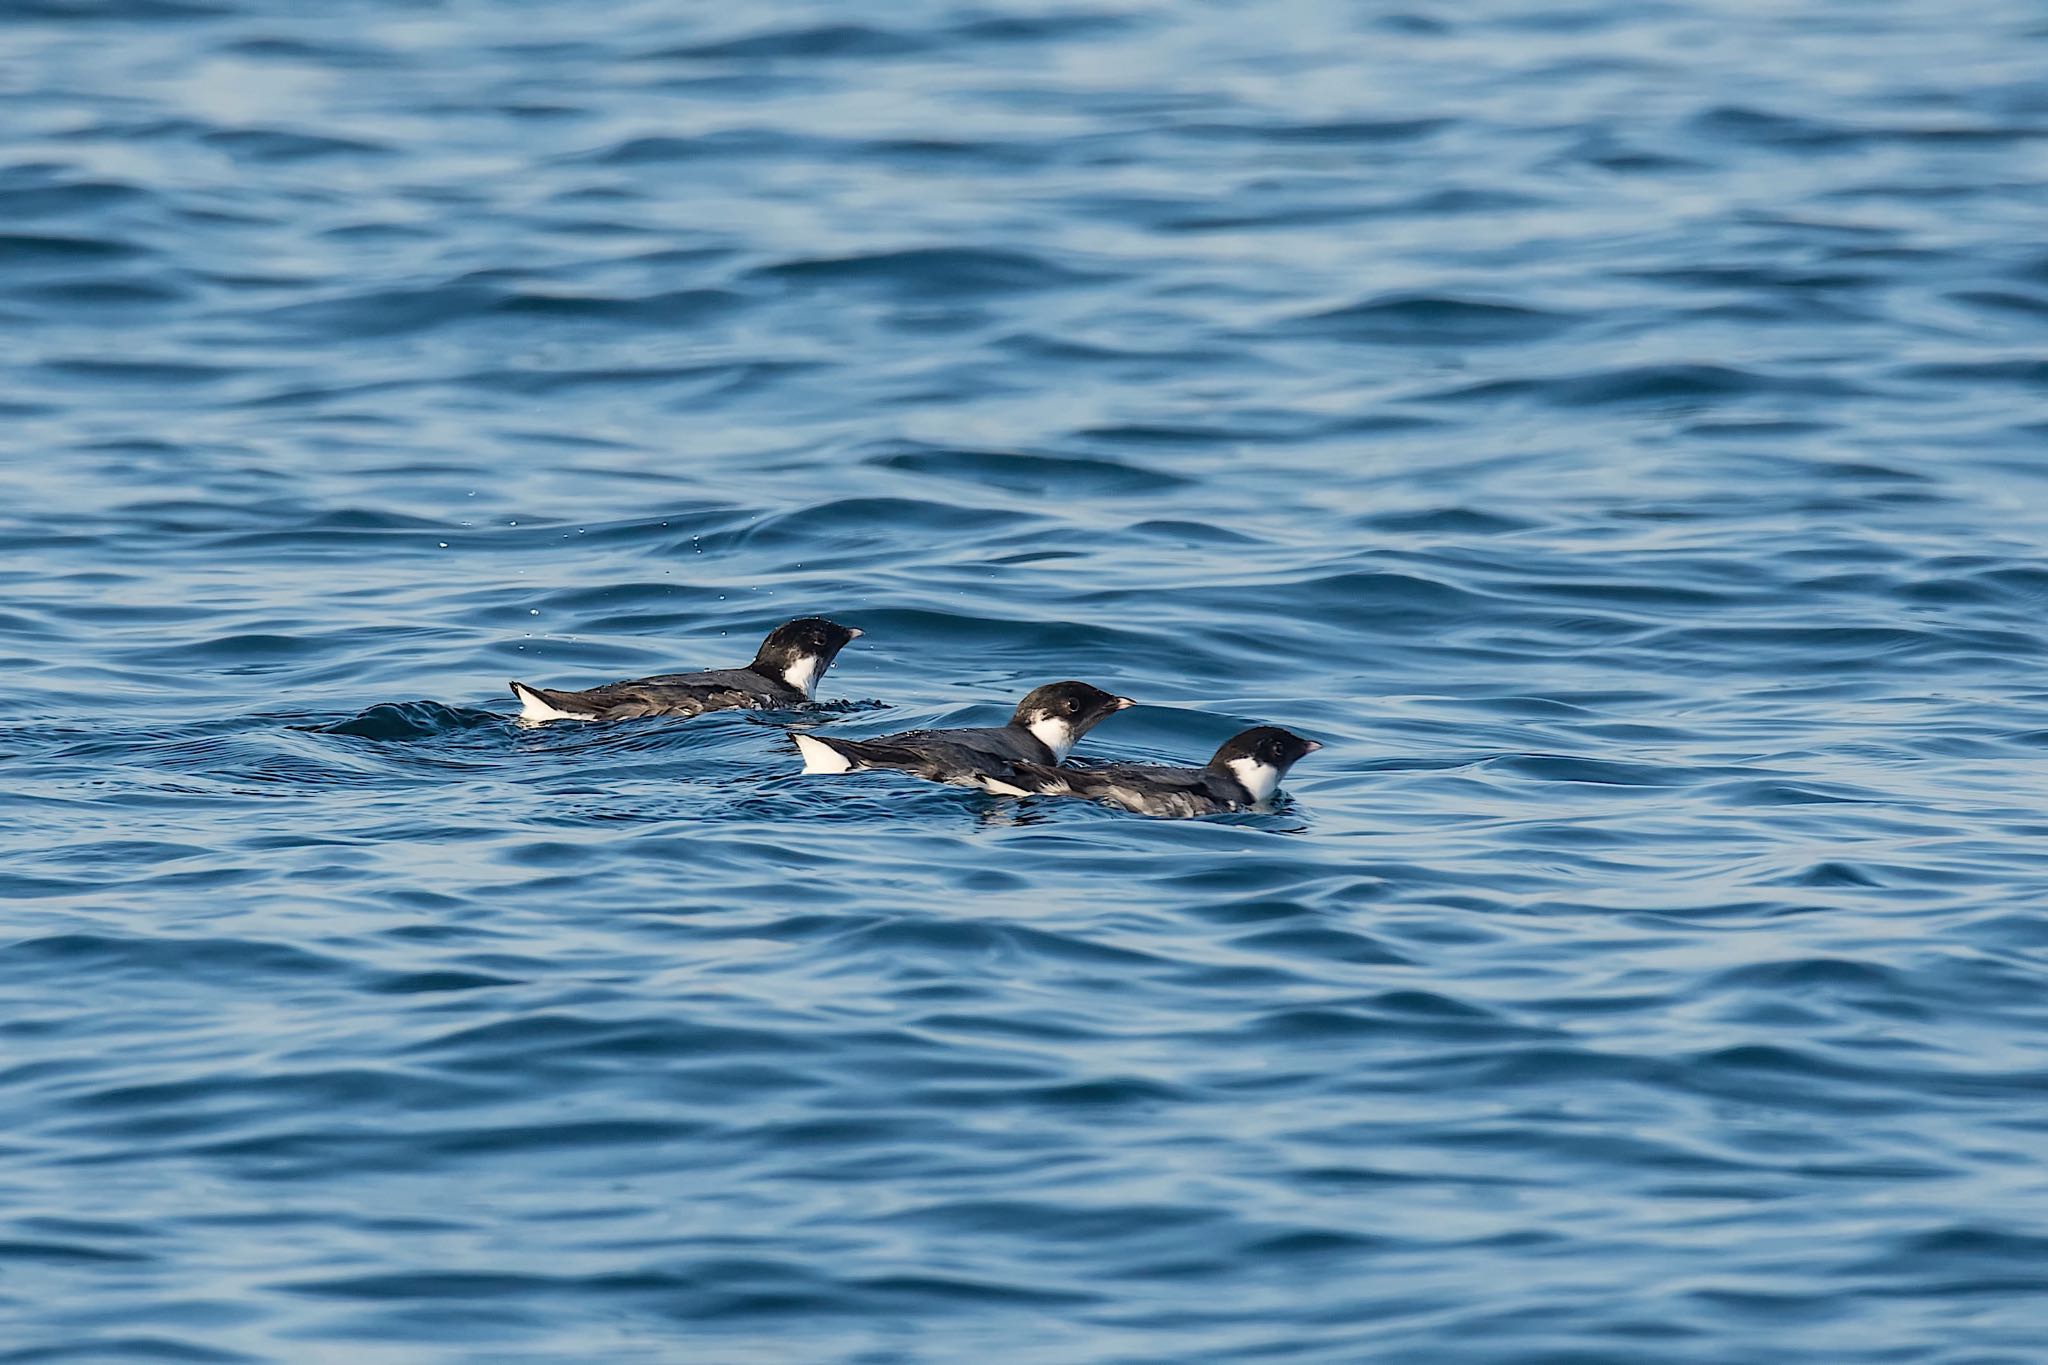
1004,743
1149,789
936,756
675,694
738,679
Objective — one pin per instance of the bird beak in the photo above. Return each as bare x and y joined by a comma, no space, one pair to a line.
854,632
1313,744
1124,703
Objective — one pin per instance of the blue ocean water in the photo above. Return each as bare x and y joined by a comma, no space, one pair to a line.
1615,430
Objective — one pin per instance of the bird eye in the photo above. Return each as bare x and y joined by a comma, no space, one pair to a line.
1071,705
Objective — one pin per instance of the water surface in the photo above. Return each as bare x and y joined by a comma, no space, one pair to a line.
1615,431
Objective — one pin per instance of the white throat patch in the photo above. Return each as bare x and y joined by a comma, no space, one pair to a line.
803,674
1055,734
1260,779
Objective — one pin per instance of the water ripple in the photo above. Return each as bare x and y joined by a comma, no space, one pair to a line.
1613,433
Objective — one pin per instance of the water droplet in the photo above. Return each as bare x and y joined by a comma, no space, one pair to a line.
533,611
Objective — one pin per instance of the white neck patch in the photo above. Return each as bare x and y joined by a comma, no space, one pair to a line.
1055,734
803,674
1260,779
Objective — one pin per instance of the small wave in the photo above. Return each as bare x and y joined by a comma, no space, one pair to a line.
276,145
874,520
932,271
26,196
797,42
39,250
126,957
1763,127
1339,132
118,11
1431,319
407,720
1037,474
729,377
1641,384
663,148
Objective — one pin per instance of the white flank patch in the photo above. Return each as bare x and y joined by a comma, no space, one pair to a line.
820,757
532,708
1260,779
1055,734
1001,788
803,674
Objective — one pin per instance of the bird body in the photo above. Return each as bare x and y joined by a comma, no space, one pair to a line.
1041,732
785,672
1242,775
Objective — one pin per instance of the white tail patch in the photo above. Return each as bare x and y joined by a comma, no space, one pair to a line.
820,757
533,708
1260,779
1055,734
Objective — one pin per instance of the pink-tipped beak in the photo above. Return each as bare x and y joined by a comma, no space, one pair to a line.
1313,744
854,632
1124,703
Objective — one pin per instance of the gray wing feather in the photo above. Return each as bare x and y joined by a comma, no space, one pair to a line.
1145,788
676,694
1005,742
968,757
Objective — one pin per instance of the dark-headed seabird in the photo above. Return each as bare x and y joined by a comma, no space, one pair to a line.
784,673
1243,775
1041,732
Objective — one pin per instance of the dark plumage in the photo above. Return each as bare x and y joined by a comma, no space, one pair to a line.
1041,731
784,671
1243,774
